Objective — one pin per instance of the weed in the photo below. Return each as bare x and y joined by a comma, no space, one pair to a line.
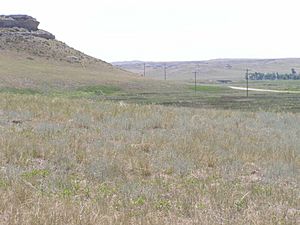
3,184
241,203
139,201
36,173
163,204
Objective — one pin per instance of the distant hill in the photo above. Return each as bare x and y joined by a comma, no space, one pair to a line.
30,57
211,70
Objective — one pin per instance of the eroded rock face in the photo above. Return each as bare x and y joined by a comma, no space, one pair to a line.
22,25
21,32
43,34
25,38
21,21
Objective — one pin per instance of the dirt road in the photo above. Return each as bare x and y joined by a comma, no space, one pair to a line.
264,90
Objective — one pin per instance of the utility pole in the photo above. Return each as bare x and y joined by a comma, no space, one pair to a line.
144,69
165,69
247,80
195,81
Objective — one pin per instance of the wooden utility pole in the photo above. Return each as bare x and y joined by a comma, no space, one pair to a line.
195,81
144,69
247,80
165,70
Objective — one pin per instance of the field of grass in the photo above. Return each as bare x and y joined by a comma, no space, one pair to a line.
36,75
86,143
88,161
179,94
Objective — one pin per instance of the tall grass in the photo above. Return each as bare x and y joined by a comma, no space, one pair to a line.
72,161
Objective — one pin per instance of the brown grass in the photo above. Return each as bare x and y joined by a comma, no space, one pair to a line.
16,70
65,161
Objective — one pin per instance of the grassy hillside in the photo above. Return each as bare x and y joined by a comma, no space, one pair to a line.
25,71
67,161
232,69
34,62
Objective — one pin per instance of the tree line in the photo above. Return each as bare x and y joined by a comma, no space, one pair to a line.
274,76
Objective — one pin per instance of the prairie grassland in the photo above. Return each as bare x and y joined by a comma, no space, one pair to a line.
18,70
77,161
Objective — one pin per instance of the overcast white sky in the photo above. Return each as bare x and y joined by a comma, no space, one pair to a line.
166,30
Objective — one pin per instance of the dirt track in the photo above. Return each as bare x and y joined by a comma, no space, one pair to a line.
264,90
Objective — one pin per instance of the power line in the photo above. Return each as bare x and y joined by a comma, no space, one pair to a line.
247,81
195,81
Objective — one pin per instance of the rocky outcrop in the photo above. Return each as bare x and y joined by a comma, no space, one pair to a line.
22,25
25,38
21,21
21,32
43,34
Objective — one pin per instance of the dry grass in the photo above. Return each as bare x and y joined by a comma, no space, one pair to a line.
66,161
18,70
32,62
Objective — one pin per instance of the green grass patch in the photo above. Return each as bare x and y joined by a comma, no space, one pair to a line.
36,173
208,88
3,183
21,91
88,91
99,90
81,92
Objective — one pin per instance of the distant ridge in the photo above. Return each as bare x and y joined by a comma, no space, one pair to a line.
211,70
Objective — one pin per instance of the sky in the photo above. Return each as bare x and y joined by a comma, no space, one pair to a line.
169,30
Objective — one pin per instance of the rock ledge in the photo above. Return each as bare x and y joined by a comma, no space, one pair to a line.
22,25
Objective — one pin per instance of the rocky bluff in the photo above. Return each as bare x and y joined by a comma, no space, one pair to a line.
21,21
22,25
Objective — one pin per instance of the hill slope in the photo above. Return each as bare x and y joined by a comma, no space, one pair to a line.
34,58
